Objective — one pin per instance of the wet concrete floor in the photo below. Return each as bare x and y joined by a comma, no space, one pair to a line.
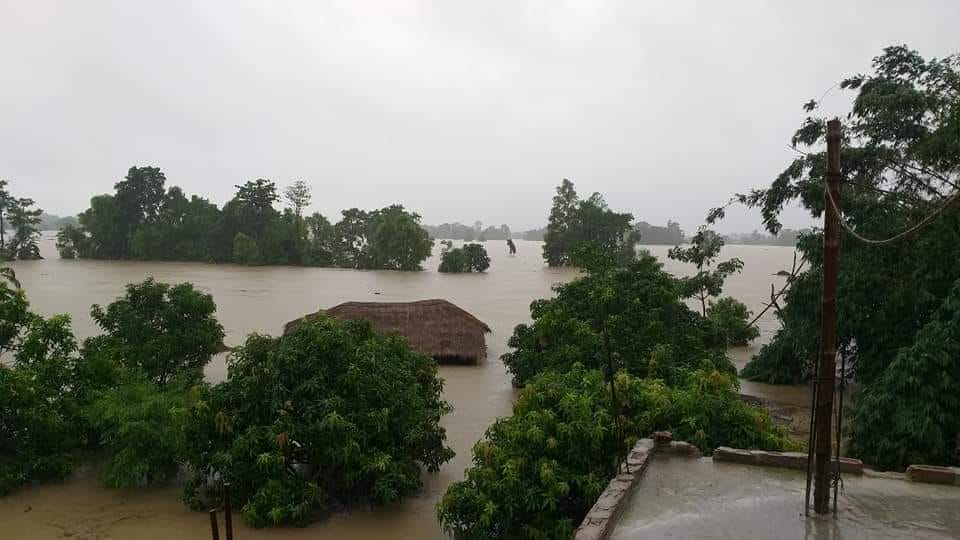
681,497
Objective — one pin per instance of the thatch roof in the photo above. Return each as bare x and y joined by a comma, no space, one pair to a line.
433,327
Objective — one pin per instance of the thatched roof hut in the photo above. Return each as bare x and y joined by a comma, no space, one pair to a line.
433,327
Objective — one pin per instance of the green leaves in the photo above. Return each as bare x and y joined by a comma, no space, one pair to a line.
327,415
581,231
165,331
469,258
638,309
909,414
537,472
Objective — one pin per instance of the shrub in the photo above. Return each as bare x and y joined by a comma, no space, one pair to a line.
327,415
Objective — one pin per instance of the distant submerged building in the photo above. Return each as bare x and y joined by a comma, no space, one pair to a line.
436,327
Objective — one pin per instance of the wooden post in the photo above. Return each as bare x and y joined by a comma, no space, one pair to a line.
214,528
227,512
828,353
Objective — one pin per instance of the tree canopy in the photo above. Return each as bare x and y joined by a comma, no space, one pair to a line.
326,415
900,162
635,312
142,220
575,223
22,216
469,258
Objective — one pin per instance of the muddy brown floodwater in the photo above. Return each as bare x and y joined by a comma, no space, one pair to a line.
262,299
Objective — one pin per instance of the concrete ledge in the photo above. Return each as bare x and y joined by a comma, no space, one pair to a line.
787,460
602,518
933,474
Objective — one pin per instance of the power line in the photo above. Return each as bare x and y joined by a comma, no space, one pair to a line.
950,200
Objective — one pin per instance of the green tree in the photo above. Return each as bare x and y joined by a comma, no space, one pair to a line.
396,241
630,316
469,258
320,241
164,331
909,414
72,242
137,201
731,316
298,196
899,163
576,223
245,250
24,220
5,202
704,249
328,414
40,431
557,239
141,429
536,473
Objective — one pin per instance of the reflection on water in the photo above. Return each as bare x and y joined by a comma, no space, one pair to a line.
262,299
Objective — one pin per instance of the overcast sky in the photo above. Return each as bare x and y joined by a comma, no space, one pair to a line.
458,110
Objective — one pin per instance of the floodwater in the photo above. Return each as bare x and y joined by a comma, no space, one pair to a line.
682,497
262,299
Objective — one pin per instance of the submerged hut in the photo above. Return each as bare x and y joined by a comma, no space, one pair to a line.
436,328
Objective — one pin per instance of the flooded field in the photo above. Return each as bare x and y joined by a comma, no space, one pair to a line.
262,299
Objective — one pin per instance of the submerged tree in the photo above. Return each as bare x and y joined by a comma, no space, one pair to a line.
329,414
708,281
163,331
575,223
469,258
631,314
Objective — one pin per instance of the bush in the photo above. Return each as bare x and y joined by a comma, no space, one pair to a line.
327,415
632,313
732,316
538,472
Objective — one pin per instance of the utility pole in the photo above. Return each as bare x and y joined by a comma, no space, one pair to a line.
828,354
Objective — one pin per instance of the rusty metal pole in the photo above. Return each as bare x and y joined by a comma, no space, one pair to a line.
828,353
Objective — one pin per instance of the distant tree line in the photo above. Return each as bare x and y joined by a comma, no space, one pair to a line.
143,220
19,226
467,233
672,234
534,235
53,222
785,237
